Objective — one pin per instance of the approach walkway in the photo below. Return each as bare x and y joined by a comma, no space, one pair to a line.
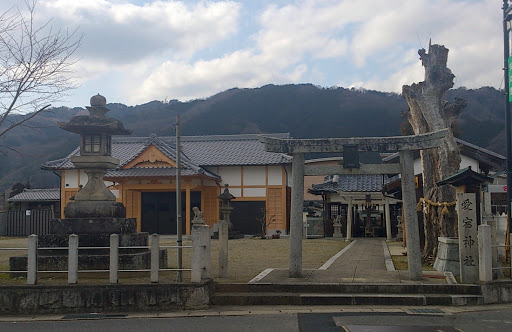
363,261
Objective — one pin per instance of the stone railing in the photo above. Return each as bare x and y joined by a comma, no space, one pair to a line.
200,264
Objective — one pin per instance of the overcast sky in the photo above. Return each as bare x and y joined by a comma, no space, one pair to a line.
136,51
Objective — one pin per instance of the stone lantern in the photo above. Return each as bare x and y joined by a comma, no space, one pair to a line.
95,130
225,207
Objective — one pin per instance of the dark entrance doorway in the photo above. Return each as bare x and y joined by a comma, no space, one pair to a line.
159,211
244,217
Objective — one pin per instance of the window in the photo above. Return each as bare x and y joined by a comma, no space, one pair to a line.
92,144
107,145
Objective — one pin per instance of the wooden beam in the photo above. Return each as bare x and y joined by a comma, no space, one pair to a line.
363,169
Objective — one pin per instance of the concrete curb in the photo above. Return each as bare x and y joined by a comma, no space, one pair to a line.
335,257
387,257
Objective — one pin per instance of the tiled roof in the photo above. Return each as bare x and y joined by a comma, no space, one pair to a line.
351,183
493,159
237,150
197,151
36,195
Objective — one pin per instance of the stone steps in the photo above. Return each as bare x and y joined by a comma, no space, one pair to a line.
346,294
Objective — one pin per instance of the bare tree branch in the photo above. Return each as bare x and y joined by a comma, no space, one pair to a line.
35,65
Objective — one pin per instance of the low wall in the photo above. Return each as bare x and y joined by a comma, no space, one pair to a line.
497,292
25,299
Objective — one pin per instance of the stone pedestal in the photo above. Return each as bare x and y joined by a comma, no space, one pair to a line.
448,255
337,231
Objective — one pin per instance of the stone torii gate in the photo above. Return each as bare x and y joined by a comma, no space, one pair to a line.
406,145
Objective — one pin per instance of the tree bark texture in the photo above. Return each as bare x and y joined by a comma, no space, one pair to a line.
429,111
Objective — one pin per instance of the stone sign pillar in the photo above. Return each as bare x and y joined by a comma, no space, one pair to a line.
296,223
468,243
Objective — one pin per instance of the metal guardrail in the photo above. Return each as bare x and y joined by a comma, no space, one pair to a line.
72,248
510,258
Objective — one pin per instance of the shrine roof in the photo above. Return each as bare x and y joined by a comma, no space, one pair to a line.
197,151
350,183
465,176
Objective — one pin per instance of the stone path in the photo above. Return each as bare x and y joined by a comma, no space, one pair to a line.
363,262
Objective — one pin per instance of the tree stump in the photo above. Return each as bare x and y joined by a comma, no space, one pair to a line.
430,111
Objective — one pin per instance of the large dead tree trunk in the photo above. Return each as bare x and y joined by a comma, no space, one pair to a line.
429,111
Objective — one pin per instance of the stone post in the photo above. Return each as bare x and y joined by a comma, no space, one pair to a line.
484,253
155,262
114,258
226,210
223,248
296,222
350,218
387,215
73,259
201,253
468,243
410,216
32,260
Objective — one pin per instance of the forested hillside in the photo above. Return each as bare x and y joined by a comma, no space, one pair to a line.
302,110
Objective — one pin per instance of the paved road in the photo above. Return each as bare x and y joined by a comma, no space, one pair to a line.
396,320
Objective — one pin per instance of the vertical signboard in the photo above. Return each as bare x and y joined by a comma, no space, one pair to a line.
468,243
509,64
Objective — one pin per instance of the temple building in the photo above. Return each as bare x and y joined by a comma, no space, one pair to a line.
374,198
145,180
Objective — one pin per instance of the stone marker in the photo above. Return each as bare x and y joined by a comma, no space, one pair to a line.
468,242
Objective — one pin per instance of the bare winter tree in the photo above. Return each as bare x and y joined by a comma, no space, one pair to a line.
429,111
35,65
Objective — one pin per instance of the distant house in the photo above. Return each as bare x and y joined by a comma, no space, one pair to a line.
30,199
369,196
145,180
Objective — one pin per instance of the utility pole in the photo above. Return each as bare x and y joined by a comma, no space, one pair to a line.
178,198
508,98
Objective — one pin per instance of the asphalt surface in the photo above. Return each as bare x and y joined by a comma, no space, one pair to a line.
281,319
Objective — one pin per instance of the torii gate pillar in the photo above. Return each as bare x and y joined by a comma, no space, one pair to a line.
296,223
404,144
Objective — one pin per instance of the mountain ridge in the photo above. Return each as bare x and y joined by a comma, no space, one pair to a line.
303,110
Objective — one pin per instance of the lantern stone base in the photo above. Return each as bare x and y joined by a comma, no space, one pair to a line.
100,209
448,255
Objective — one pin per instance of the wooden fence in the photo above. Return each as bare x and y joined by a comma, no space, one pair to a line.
24,223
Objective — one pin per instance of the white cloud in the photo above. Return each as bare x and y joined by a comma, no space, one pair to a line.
123,32
187,50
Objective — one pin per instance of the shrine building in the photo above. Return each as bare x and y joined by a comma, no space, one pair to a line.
145,180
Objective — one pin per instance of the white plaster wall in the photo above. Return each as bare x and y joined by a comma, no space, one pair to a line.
237,192
418,167
83,178
466,161
71,178
288,172
231,175
254,176
255,192
115,192
275,176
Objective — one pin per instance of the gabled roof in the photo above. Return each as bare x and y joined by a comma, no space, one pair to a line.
197,152
350,183
465,176
36,195
494,161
